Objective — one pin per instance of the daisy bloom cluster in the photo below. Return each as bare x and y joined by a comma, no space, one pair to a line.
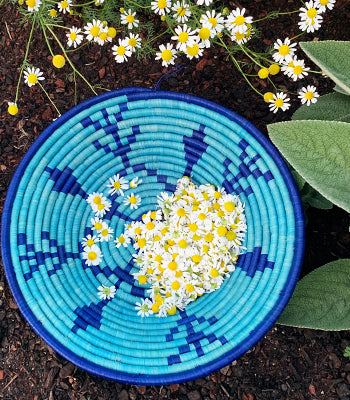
187,247
311,15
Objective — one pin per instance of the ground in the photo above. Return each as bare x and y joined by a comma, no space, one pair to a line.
288,363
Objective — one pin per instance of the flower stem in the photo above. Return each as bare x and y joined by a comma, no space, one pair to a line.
47,95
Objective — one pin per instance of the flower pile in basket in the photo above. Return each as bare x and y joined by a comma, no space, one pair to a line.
184,249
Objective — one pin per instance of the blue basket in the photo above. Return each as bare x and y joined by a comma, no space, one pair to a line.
159,137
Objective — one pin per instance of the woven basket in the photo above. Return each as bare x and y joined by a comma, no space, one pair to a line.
159,137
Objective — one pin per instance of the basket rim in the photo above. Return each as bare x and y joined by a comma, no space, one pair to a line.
200,371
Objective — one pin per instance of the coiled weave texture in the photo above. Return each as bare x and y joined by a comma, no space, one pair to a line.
159,137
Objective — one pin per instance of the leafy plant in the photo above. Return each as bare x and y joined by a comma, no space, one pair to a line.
316,143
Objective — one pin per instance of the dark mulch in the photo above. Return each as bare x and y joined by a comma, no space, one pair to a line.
288,363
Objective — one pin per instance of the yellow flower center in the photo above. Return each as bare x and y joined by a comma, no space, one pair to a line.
97,200
167,55
104,232
92,255
311,12
53,13
274,69
12,109
189,288
205,248
121,239
95,30
181,11
193,51
229,206
231,235
172,266
130,19
298,70
31,3
101,207
116,185
32,78
222,230
192,227
155,308
202,216
324,2
112,32
64,4
239,20
98,226
204,33
183,37
132,42
175,285
214,272
309,95
103,36
284,50
150,225
58,61
239,35
217,195
263,73
182,244
181,212
213,22
172,310
142,279
73,36
158,258
162,4
279,103
141,243
132,199
268,96
209,237
196,258
90,242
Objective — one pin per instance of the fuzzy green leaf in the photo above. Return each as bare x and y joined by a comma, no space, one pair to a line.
330,107
333,57
299,180
340,90
320,152
321,300
314,198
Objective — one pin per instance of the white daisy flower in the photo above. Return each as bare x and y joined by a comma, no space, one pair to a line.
144,308
128,18
97,224
106,233
99,2
64,6
117,185
194,51
135,182
206,2
182,11
121,52
133,201
106,292
92,255
33,5
216,20
161,7
310,18
185,37
93,30
237,22
285,51
296,70
74,37
205,33
167,54
95,198
101,208
239,37
122,240
32,76
280,102
89,241
308,95
322,5
133,41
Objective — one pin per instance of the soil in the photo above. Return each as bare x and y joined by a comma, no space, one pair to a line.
288,363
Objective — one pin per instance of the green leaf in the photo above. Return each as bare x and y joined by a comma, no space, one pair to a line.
330,107
299,180
333,57
321,300
340,90
320,152
314,198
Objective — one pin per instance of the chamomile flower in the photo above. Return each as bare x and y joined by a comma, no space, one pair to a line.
106,292
161,7
117,184
194,51
280,102
106,233
33,5
128,18
64,6
92,255
206,2
12,108
185,37
97,224
144,308
133,201
89,241
133,42
216,21
122,240
135,182
121,51
310,18
74,37
99,2
205,33
285,51
167,54
182,11
296,70
95,198
237,22
239,37
308,95
322,5
32,76
93,30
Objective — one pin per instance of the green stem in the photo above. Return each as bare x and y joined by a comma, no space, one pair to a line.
78,48
46,38
57,26
158,36
300,34
25,58
47,95
85,4
136,4
275,15
253,59
70,62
